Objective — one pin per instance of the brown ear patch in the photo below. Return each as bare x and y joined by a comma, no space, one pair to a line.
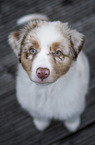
82,44
74,51
16,34
77,41
14,41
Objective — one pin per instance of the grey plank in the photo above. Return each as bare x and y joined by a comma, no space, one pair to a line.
85,137
70,13
8,69
7,83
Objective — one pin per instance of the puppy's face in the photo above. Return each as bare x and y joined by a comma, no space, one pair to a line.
46,49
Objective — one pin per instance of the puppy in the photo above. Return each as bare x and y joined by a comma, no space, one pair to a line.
53,73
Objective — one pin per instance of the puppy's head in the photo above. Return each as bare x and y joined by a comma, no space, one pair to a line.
46,49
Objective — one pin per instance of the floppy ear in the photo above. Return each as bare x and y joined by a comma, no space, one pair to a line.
77,42
14,42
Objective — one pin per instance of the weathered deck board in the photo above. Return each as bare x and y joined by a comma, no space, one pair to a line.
86,136
16,126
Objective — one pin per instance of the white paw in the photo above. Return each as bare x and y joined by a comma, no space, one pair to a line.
72,125
41,124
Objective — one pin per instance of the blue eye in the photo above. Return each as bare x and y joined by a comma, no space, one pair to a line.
58,53
32,51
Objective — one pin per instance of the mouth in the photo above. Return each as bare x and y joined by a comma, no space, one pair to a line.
42,82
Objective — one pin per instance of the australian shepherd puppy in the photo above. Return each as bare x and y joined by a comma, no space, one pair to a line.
53,73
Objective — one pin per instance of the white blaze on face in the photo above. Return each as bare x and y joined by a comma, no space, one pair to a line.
46,34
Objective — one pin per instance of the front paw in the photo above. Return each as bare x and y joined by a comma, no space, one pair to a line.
72,124
41,124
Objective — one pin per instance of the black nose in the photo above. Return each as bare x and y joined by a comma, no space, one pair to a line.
42,73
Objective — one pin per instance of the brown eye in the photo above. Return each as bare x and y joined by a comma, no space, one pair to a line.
32,51
58,53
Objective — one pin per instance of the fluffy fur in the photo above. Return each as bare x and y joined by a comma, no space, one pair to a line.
54,46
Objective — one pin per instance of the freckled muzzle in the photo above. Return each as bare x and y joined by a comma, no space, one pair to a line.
42,73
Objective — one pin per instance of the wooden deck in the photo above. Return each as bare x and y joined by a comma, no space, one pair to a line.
16,127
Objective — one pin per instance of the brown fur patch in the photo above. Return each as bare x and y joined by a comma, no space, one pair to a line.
28,29
16,34
60,64
60,68
26,63
55,46
59,46
35,44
